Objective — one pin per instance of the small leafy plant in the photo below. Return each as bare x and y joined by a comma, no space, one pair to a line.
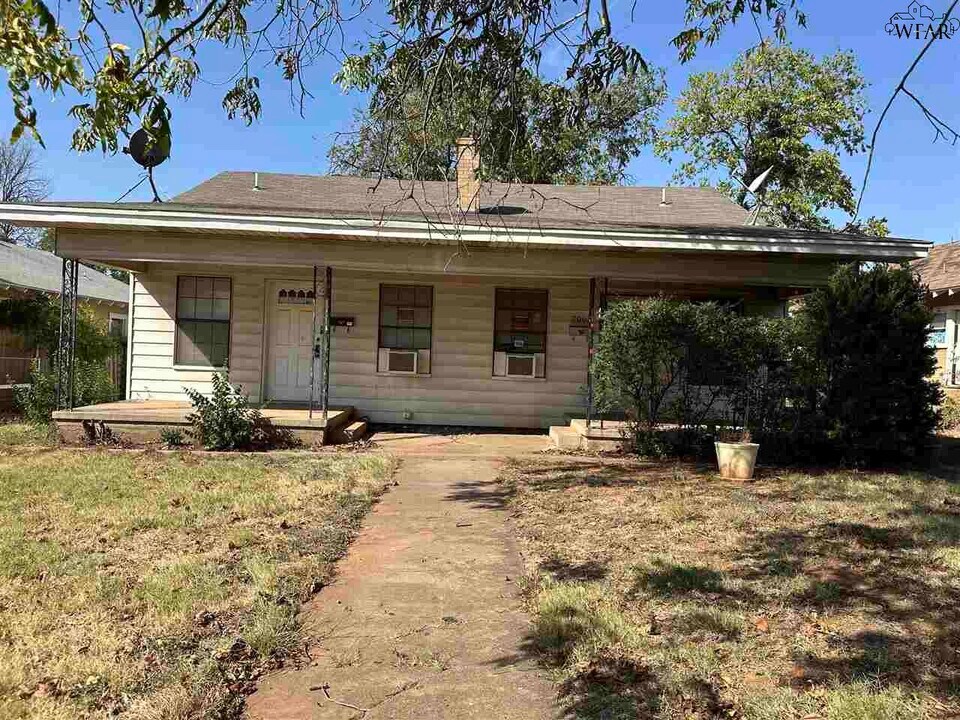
950,414
225,421
172,437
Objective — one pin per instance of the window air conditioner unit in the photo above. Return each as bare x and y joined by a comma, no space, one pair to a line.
403,361
521,365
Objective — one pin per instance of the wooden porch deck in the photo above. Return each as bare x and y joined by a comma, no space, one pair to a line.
145,418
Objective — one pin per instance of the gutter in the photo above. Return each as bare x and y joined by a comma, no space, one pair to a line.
118,218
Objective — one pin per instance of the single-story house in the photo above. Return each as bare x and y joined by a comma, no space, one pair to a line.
460,303
940,272
25,272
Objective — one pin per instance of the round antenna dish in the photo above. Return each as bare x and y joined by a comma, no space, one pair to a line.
147,153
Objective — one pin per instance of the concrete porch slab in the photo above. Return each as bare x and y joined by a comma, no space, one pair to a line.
142,420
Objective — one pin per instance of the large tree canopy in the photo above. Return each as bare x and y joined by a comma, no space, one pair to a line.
776,107
128,58
541,144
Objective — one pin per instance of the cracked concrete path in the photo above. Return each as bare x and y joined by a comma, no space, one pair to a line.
424,619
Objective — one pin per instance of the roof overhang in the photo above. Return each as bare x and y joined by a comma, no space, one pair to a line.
693,239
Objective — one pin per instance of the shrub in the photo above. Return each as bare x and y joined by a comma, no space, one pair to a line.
172,437
950,414
225,420
38,398
665,360
848,378
867,330
38,320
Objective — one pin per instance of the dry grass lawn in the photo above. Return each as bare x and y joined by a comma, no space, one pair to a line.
662,591
154,586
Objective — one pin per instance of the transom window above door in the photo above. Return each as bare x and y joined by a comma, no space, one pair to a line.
295,296
203,321
406,329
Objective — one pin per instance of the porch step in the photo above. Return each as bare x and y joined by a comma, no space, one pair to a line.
578,437
565,438
351,433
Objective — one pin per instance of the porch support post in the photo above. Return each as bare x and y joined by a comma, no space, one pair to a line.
327,331
67,339
590,317
313,349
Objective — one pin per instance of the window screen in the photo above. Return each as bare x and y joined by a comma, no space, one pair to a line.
203,321
521,321
406,317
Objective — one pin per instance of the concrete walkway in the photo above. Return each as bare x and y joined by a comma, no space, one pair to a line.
424,620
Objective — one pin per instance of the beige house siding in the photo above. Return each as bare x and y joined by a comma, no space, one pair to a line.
460,390
153,373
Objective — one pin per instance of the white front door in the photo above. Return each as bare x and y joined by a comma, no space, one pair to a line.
291,341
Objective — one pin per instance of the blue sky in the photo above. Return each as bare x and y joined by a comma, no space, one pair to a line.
914,183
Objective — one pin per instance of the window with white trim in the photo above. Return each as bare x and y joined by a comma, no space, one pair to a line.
406,329
203,321
520,333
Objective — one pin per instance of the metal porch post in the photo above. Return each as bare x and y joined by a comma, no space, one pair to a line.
313,349
328,304
590,326
67,340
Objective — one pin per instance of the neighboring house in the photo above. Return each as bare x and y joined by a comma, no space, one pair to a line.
452,303
940,272
25,272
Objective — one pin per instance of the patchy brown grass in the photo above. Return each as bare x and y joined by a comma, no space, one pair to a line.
663,591
160,586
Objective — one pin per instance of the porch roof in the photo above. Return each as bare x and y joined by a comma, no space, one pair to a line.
179,217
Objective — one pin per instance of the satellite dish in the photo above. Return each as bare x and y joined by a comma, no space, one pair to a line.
146,152
755,185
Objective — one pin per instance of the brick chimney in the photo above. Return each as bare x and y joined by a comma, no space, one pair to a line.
468,186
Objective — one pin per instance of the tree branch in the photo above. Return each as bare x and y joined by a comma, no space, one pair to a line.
901,87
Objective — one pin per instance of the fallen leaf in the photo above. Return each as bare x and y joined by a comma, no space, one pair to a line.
762,625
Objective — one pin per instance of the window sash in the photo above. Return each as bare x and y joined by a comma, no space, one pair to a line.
520,321
203,321
406,317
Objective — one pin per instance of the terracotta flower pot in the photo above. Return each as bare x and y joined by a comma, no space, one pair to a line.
736,460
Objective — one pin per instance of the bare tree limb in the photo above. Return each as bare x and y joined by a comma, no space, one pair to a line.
901,87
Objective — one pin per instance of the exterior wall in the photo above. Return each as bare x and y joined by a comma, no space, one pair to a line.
153,374
460,389
947,353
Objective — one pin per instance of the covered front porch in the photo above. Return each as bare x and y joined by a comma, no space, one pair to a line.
142,420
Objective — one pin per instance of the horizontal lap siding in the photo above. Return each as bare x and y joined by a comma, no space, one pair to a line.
460,389
152,371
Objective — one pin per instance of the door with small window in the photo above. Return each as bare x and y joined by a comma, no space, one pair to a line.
292,342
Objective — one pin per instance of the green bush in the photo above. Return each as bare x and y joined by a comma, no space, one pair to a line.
172,437
37,319
867,330
225,421
662,360
37,399
950,414
847,379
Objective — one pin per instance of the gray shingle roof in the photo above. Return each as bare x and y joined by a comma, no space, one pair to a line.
39,270
548,206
